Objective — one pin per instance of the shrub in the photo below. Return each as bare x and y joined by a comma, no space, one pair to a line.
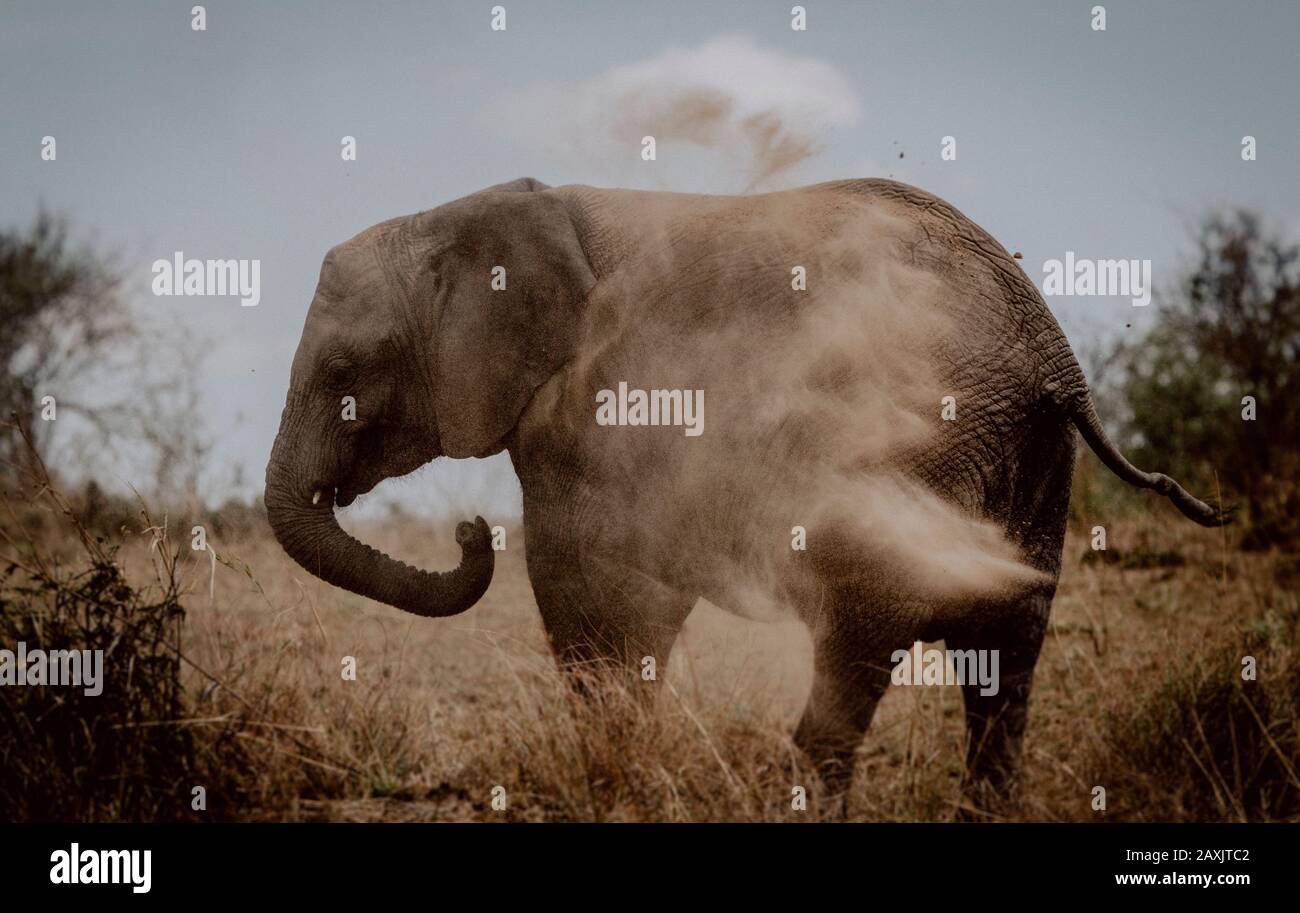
116,755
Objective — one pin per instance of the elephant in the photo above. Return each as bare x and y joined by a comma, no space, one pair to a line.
887,450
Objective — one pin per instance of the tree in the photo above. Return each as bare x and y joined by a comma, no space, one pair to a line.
70,334
1226,339
60,310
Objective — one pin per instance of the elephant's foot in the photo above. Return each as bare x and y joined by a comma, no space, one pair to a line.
831,755
987,798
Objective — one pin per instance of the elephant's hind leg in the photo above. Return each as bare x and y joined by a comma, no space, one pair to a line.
851,670
995,723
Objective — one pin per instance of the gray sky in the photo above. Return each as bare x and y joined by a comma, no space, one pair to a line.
225,143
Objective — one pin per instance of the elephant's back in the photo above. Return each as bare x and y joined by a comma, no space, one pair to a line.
622,230
1004,323
867,286
950,244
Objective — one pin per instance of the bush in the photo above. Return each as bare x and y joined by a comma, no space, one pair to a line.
117,755
135,750
1211,394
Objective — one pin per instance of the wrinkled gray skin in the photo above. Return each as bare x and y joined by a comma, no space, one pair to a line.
404,320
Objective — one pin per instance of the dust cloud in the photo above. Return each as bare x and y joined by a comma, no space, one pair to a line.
727,116
821,404
759,147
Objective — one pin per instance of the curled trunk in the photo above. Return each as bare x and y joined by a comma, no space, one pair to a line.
308,530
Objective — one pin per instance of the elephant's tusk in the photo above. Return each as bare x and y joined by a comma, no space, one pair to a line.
315,498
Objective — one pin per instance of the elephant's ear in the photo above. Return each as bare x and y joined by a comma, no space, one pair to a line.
516,279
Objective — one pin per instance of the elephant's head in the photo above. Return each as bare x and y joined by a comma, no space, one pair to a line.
410,353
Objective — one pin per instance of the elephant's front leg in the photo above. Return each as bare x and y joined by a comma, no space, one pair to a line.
600,611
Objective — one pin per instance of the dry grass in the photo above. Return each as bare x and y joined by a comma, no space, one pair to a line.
1138,690
442,712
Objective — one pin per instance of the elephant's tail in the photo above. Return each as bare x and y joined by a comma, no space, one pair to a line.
1087,421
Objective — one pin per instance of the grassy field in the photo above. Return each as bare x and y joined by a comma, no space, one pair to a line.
1138,691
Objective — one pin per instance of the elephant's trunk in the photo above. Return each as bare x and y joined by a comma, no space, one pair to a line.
304,523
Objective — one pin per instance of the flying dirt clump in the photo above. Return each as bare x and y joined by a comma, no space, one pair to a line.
727,116
760,146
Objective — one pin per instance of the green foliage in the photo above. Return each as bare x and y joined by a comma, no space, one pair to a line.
1230,330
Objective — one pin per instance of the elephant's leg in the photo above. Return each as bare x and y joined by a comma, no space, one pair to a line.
602,616
850,673
995,723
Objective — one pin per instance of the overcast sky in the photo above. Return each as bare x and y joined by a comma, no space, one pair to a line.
225,143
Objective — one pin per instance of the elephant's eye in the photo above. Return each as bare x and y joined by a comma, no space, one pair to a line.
340,374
